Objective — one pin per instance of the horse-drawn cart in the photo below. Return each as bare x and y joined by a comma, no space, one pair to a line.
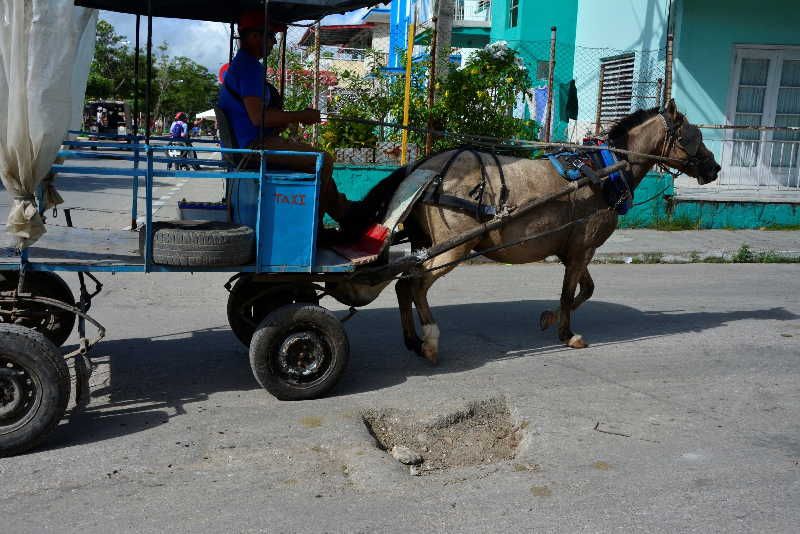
270,242
298,349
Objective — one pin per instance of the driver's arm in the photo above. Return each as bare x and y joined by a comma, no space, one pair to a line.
275,118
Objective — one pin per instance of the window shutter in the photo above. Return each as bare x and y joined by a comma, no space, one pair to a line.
616,88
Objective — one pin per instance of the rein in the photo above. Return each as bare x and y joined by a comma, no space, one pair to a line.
484,141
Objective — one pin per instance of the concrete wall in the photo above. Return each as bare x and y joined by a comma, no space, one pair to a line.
355,181
671,212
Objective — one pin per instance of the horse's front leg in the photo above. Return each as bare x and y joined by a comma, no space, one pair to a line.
572,275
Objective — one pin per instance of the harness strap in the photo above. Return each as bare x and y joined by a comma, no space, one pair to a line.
477,209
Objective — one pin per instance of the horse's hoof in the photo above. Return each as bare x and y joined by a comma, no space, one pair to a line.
577,342
547,319
430,354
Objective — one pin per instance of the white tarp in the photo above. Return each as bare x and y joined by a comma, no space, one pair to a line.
207,115
45,50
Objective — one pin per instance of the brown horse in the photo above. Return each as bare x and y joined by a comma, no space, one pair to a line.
665,134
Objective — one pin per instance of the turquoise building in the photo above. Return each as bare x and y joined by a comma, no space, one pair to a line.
735,63
526,26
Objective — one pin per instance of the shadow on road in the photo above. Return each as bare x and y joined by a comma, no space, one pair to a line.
152,379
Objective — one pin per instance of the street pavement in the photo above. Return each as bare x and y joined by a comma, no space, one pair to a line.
681,416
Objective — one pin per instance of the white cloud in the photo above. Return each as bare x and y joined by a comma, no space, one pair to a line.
204,42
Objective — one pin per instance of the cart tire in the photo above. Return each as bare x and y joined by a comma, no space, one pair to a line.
245,314
201,243
299,352
55,323
33,401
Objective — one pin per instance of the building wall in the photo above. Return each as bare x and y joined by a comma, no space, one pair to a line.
380,38
609,28
706,32
531,37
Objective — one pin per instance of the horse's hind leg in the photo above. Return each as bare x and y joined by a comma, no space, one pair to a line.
404,288
420,287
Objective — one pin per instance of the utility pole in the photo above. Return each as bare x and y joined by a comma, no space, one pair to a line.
443,10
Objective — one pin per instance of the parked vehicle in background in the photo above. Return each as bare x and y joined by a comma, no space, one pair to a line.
107,117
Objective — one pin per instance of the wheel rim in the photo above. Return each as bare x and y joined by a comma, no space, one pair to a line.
20,394
304,356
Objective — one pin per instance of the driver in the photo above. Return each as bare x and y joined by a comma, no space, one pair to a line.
241,96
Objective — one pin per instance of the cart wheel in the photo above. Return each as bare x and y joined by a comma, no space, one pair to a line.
299,352
249,302
55,323
34,388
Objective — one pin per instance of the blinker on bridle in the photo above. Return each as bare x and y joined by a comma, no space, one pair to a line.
688,138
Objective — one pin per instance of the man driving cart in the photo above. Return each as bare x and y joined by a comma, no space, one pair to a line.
255,112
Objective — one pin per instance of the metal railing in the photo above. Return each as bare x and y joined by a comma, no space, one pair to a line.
754,164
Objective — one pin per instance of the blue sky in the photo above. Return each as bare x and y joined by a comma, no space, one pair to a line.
204,42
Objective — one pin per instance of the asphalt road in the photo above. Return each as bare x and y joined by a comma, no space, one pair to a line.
680,417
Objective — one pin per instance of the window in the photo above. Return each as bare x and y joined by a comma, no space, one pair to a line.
513,12
766,92
615,96
483,5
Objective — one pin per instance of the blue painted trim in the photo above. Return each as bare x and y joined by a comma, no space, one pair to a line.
148,226
156,268
260,215
135,189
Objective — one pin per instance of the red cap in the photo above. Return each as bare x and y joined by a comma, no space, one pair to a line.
254,20
179,115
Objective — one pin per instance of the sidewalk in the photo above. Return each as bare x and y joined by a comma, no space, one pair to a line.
656,246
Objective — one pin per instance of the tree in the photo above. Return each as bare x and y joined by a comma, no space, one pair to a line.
476,100
109,73
179,84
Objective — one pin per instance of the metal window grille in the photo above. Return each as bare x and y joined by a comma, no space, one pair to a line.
615,94
483,5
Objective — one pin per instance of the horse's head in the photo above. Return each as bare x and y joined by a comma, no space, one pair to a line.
684,146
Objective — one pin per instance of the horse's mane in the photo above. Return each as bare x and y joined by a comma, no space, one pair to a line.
618,134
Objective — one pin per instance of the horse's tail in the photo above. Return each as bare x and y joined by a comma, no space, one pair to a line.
372,208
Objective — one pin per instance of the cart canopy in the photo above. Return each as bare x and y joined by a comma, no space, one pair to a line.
229,10
46,48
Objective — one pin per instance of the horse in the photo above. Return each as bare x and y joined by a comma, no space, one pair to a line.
572,226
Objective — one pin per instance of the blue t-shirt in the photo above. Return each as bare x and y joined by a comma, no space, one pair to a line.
245,76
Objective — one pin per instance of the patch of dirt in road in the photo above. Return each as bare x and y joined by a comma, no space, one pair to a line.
480,433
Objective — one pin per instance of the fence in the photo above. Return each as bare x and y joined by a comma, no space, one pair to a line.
608,84
755,164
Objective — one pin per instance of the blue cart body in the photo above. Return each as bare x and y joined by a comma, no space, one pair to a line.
281,206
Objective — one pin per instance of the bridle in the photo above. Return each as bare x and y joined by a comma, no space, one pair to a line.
688,138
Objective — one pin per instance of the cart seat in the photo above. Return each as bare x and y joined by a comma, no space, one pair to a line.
227,138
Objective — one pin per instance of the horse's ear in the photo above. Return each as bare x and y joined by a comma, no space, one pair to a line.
671,109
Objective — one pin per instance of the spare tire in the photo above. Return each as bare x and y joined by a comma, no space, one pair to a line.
201,243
